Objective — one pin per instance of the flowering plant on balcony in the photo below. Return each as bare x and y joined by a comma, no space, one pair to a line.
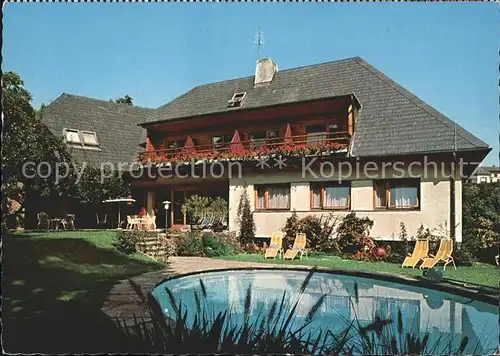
286,150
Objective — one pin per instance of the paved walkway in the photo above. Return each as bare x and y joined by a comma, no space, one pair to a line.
123,301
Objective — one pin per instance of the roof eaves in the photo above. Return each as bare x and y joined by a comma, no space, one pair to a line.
231,110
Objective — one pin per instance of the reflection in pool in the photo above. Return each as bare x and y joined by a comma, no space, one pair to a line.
443,315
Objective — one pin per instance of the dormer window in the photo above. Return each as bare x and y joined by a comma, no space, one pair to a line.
237,99
72,136
89,138
81,138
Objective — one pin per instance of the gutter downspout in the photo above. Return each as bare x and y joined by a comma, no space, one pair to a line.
452,198
452,186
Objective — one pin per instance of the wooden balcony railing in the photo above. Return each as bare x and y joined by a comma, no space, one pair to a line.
321,141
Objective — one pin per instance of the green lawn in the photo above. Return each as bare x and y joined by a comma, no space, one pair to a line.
53,286
482,274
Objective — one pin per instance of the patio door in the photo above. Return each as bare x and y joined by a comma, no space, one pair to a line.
179,196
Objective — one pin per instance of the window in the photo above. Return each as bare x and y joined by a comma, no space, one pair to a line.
258,139
89,138
72,136
396,194
483,179
172,147
330,195
272,197
380,194
236,99
316,134
221,142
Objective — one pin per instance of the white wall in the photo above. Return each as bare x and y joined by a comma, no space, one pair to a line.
434,199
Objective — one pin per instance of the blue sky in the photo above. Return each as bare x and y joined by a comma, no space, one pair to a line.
447,54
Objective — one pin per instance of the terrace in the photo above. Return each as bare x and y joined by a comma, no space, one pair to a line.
226,147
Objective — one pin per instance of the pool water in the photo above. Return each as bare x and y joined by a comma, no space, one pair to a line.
444,316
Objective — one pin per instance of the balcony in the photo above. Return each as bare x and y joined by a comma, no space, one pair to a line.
319,143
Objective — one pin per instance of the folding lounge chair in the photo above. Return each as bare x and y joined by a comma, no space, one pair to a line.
275,245
420,252
444,254
299,247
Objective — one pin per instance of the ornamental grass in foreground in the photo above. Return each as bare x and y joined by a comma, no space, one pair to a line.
271,332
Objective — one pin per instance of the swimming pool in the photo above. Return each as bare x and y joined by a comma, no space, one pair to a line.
442,315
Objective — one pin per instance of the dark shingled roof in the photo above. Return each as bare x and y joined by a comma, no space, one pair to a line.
391,121
116,126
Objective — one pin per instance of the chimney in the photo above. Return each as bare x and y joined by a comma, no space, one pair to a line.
264,72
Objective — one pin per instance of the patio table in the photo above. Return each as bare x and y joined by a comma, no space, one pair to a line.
56,222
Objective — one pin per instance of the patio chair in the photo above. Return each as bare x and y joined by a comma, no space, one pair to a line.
275,245
298,248
103,221
420,252
151,222
444,254
43,220
132,222
68,222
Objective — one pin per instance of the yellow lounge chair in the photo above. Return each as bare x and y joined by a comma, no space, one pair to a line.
420,252
444,254
299,246
275,245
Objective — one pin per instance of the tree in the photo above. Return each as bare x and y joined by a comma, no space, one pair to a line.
245,219
127,100
481,220
96,185
29,151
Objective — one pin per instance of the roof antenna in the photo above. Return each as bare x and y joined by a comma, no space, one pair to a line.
455,137
259,42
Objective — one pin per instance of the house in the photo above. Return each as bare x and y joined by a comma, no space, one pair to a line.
333,137
485,174
97,131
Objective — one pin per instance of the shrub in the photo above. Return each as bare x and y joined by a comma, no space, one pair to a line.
189,244
213,247
463,256
245,219
229,238
199,206
319,231
353,234
126,240
398,250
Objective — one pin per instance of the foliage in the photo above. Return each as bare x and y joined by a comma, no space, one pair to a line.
213,247
189,244
285,150
252,248
481,220
127,100
353,234
245,219
319,231
230,239
25,139
96,185
198,207
127,240
271,332
398,250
